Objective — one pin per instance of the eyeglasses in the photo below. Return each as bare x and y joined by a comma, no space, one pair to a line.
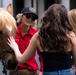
30,16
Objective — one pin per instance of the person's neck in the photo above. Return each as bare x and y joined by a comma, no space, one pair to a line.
24,29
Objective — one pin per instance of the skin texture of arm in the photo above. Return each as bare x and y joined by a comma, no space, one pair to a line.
72,36
40,73
22,58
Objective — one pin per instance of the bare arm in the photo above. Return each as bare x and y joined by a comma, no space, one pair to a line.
22,58
40,60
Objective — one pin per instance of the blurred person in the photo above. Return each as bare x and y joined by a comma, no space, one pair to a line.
26,21
55,40
72,20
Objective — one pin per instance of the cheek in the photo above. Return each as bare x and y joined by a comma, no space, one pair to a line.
23,20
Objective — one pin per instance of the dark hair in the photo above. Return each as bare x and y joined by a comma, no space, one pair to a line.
54,26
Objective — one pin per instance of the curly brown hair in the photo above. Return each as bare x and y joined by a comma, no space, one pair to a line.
54,26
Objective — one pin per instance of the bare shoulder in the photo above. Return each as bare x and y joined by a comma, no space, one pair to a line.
72,37
71,34
36,35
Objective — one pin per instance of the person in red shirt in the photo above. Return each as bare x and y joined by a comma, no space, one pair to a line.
23,36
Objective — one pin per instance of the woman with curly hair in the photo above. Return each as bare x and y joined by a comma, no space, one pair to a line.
55,40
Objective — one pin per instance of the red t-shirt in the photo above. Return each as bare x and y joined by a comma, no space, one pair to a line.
23,42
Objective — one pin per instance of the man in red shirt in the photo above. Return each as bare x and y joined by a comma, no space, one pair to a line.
23,36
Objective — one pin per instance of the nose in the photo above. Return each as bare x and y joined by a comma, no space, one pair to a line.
30,19
11,65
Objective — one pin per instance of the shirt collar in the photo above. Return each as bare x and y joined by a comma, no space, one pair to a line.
31,30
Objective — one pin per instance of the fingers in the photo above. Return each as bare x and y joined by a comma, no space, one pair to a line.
10,40
8,44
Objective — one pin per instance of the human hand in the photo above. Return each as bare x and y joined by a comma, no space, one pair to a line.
39,73
11,42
